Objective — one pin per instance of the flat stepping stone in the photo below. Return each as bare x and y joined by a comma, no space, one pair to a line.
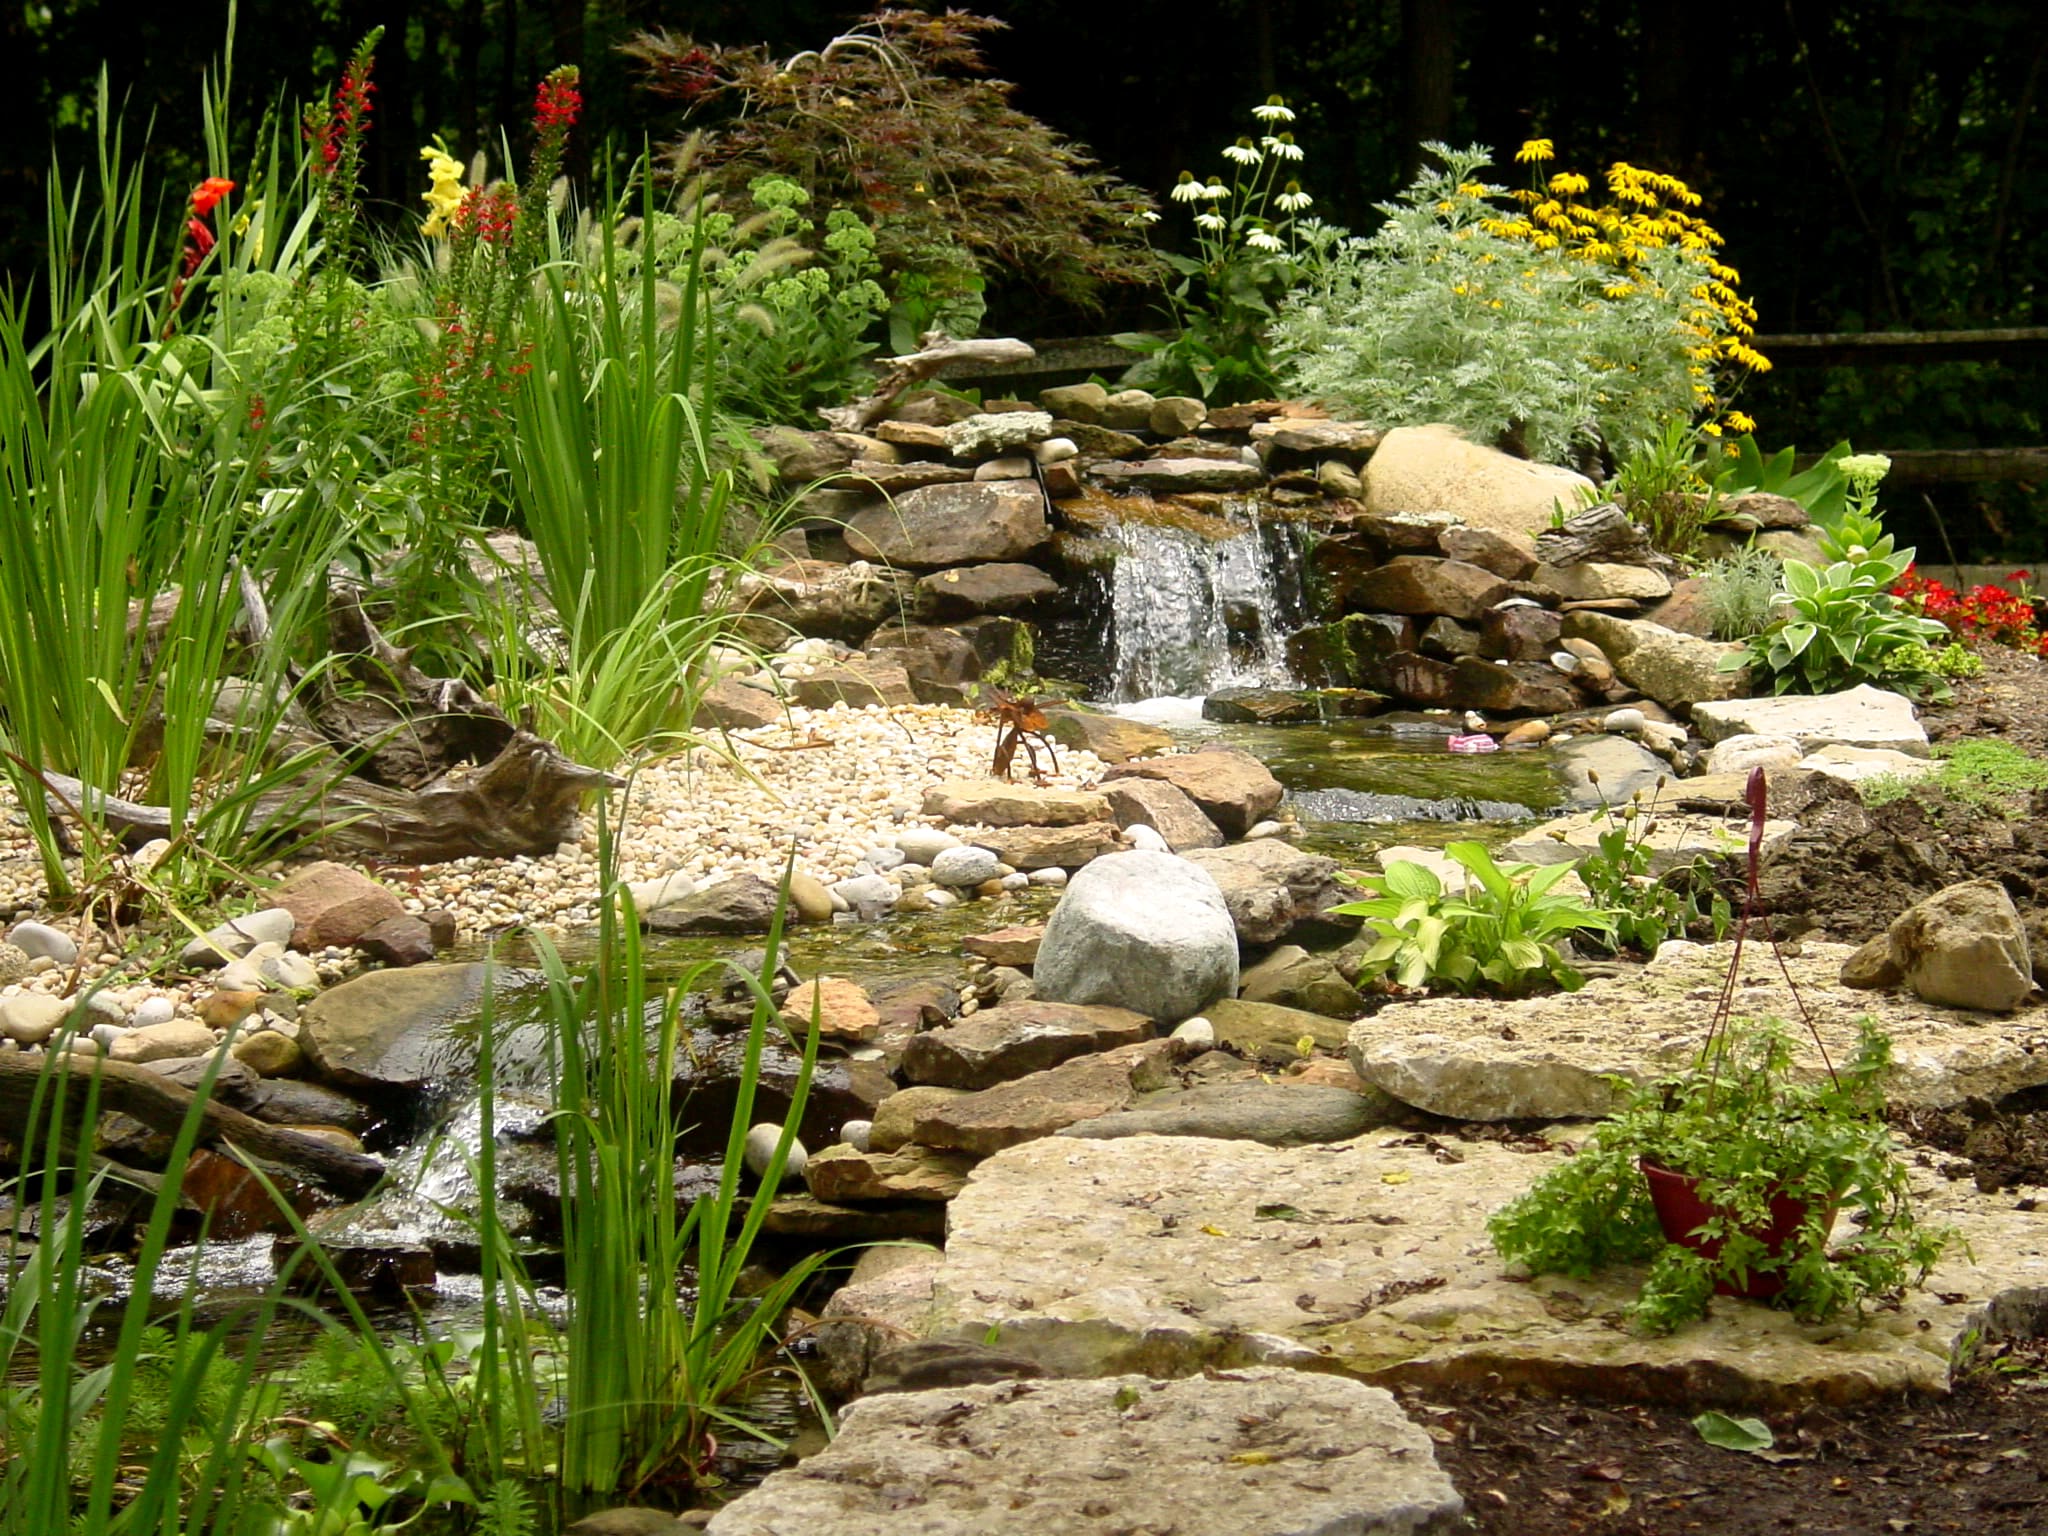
1251,1453
1862,716
1677,839
1552,1058
1370,1258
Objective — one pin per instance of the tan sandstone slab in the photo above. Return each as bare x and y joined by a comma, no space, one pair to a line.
1168,1255
1675,839
1547,1058
1251,1453
994,803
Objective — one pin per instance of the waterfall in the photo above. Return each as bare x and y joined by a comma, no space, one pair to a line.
1191,612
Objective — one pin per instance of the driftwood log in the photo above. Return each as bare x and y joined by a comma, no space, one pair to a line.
936,351
394,764
1602,532
163,1105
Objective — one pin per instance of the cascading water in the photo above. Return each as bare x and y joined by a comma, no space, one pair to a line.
1190,613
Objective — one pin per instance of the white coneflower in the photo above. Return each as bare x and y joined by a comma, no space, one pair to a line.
1273,110
1187,189
1215,191
1284,146
1293,200
1264,240
1213,221
1144,216
1242,152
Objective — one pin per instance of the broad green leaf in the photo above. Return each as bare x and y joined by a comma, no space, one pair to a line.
1732,1434
1543,879
1801,579
1404,878
1474,857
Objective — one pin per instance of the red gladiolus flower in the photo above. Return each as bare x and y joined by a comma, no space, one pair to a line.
209,192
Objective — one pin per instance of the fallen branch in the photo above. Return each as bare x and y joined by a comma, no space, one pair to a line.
938,350
163,1105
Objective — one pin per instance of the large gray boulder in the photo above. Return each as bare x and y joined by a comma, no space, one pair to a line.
1266,1452
1273,1114
1433,469
1659,663
1862,716
1144,931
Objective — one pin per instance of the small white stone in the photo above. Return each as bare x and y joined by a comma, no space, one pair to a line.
964,867
1198,1032
938,898
921,845
1055,449
1266,829
153,1010
1009,468
1054,877
41,940
1622,721
758,1151
1146,838
855,1134
1015,880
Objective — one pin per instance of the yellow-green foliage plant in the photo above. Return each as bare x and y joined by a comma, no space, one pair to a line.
1549,323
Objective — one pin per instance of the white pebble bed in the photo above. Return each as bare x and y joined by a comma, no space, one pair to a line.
838,782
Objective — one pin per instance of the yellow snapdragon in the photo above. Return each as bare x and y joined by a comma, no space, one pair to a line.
444,192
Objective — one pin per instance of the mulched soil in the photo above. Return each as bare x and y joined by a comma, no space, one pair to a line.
1853,868
1974,1461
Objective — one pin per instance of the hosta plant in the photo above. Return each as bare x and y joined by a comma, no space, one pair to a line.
1501,932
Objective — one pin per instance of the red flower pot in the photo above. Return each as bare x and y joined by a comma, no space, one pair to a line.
1681,1212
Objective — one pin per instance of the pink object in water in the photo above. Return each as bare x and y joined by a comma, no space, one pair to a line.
1480,743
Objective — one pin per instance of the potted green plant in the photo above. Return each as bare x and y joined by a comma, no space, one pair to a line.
1727,1178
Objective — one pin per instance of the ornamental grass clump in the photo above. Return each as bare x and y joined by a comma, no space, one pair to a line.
1549,325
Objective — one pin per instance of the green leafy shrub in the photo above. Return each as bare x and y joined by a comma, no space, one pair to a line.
795,313
1662,486
1458,310
1982,772
1956,660
1502,932
1741,592
1619,877
1741,1124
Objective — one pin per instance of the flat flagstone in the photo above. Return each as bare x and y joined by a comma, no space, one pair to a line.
1553,1057
1862,716
1251,1453
1167,1256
